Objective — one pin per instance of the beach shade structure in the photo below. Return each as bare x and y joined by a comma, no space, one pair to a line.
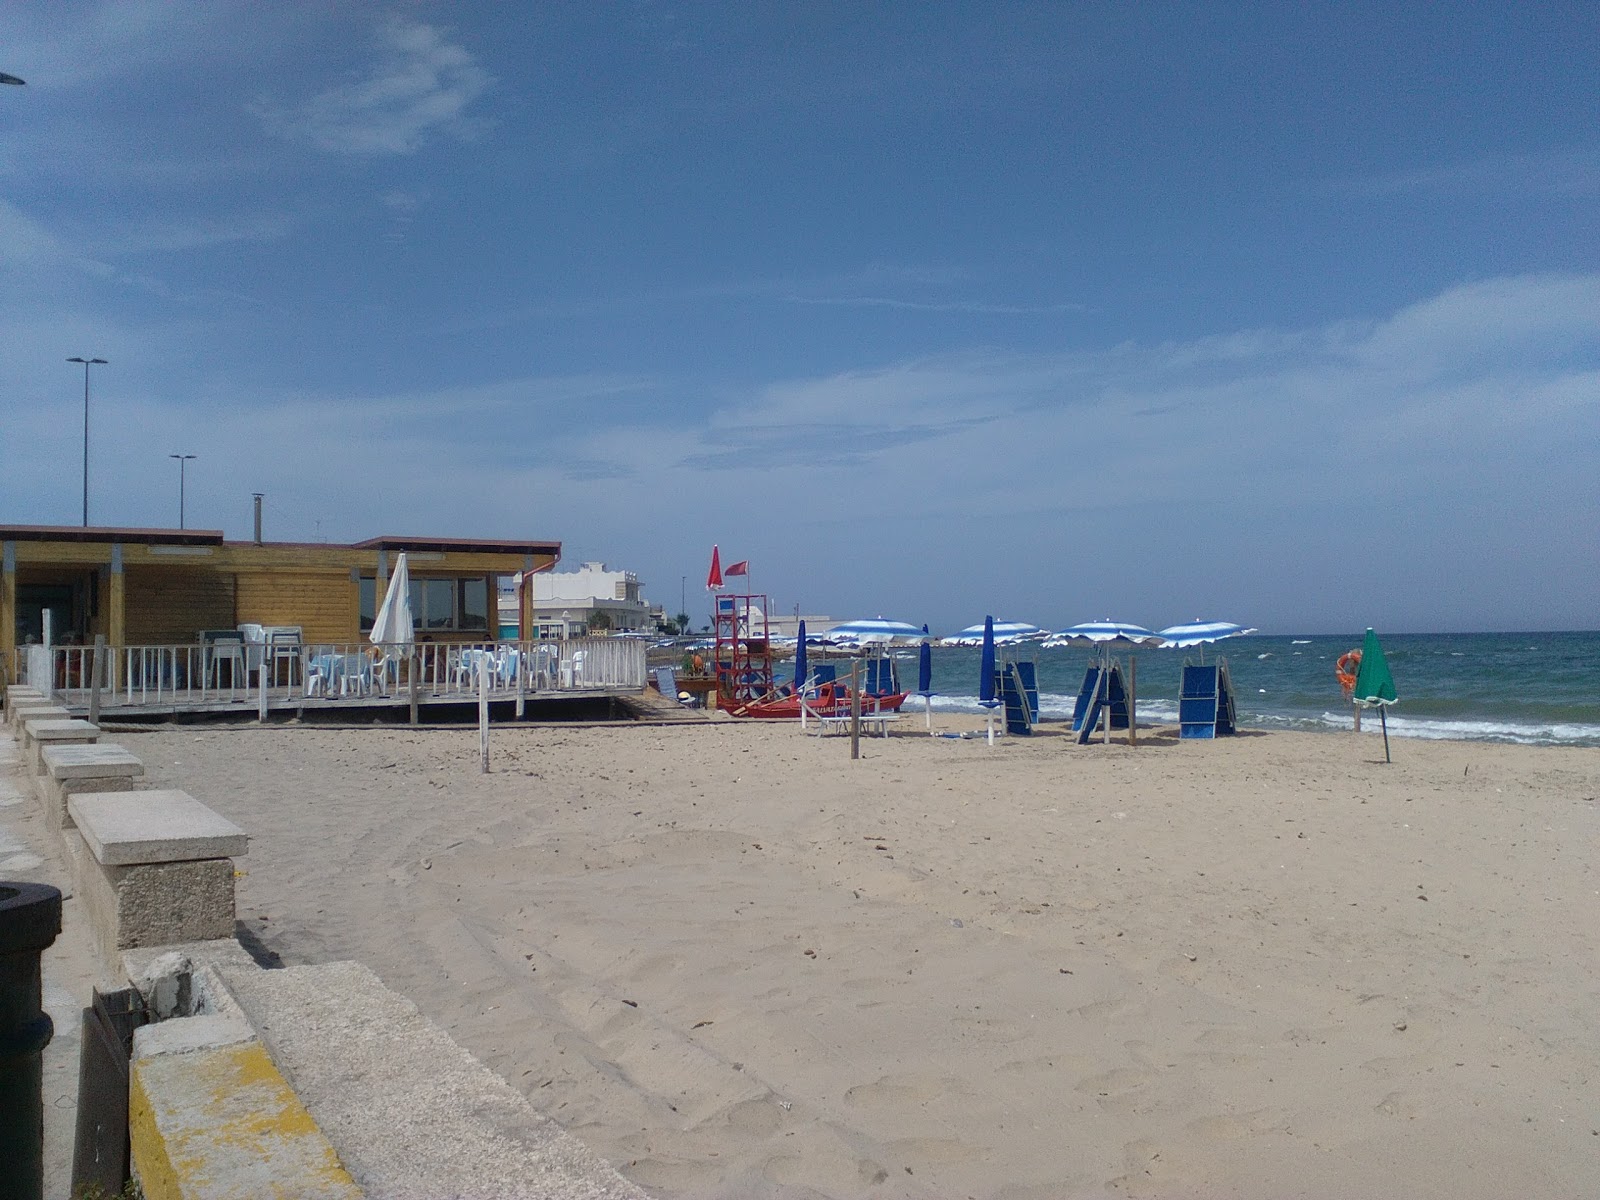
1004,633
986,696
1200,633
925,677
1375,685
874,631
1104,636
800,659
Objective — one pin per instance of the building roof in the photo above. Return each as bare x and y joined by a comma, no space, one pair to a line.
214,537
104,533
460,545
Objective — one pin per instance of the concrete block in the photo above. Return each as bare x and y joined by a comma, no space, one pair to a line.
93,761
70,770
124,828
156,904
21,693
23,713
68,732
410,1112
56,794
210,1117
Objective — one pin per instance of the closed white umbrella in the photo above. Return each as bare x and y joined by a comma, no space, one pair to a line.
394,625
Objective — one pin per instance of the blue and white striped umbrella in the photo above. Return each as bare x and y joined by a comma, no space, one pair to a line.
1005,633
874,631
1105,635
1198,633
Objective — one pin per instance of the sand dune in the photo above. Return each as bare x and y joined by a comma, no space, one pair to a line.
739,964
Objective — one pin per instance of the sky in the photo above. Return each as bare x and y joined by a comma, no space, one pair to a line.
1280,314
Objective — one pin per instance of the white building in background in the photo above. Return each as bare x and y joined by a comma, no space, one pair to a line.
572,603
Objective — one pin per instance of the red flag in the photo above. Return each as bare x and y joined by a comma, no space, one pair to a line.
739,568
714,580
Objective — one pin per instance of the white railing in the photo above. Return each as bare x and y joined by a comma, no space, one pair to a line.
290,674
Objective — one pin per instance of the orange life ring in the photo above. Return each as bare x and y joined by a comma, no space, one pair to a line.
1349,663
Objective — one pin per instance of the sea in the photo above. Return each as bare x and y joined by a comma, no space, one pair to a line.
1539,689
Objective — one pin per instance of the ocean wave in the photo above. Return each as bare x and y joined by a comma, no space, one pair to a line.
1507,732
1057,707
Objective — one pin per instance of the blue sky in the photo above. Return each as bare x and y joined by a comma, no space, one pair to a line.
1281,314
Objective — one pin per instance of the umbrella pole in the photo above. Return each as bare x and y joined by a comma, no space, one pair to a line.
855,709
1133,701
1383,716
1105,701
928,703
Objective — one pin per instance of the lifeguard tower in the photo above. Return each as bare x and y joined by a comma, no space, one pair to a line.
743,652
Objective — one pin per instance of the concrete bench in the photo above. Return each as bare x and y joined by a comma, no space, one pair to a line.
21,693
69,770
37,734
161,871
17,717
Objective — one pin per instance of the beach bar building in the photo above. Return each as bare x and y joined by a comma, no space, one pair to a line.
152,587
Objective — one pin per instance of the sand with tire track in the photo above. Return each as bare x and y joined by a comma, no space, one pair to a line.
739,964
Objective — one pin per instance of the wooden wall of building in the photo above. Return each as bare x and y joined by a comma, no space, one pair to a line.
326,605
167,605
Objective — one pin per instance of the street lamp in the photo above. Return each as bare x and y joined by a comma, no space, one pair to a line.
87,363
183,461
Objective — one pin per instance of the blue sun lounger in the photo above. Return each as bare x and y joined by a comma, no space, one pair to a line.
1205,702
1103,687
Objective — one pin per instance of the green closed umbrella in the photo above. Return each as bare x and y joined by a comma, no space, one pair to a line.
1374,685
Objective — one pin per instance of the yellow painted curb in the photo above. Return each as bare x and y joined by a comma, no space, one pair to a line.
222,1123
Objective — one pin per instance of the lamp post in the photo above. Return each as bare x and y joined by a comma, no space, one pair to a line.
87,363
183,461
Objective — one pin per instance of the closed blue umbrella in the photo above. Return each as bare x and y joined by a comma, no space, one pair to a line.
986,666
986,695
800,659
925,678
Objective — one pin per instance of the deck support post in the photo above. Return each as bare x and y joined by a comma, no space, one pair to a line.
413,669
96,670
483,714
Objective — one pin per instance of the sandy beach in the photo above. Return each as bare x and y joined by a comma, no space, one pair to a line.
739,964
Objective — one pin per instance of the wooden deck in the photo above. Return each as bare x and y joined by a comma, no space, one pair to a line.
565,704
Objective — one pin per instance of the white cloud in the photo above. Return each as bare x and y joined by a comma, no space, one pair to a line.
1369,465
421,85
1564,174
24,240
